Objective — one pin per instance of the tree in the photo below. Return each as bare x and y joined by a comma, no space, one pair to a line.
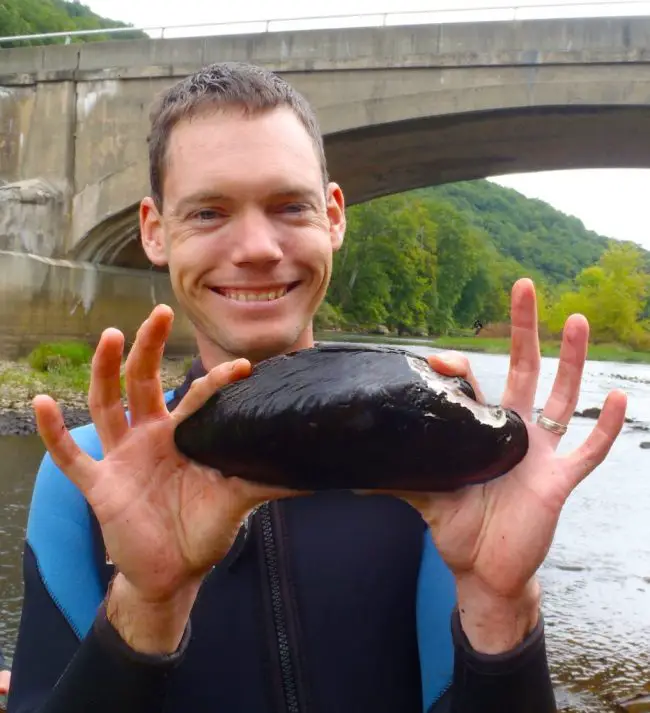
611,294
439,258
28,17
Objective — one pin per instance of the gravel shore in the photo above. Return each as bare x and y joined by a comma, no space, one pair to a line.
17,415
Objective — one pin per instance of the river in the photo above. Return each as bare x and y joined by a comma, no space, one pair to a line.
596,577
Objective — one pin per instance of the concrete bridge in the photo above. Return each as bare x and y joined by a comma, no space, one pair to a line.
401,107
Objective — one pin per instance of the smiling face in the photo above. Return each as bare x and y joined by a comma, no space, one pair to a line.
247,230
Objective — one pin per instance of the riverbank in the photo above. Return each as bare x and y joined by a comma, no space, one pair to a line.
19,384
494,345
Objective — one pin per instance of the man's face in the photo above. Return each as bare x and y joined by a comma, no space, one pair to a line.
247,229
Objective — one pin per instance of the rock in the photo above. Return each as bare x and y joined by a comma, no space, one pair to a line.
381,329
594,412
21,421
640,427
644,444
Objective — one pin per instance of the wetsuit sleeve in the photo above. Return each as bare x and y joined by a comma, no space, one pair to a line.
517,681
68,657
457,679
104,675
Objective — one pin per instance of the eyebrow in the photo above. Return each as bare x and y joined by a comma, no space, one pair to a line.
198,198
297,191
203,197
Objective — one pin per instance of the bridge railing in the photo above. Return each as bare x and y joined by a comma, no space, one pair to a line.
476,13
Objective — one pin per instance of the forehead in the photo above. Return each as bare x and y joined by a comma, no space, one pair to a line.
231,147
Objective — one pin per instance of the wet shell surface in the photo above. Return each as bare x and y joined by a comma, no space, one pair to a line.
353,417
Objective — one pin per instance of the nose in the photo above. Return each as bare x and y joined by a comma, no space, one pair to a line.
255,240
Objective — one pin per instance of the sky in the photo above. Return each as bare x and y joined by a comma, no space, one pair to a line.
613,202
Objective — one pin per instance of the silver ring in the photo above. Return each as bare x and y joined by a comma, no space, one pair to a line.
550,425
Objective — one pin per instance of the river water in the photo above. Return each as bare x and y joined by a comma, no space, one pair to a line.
596,578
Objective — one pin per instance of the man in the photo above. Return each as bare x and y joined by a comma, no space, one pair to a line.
144,592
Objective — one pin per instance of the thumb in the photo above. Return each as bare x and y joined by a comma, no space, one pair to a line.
455,364
202,389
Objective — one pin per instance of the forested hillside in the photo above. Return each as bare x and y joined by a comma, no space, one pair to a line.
530,231
438,259
25,17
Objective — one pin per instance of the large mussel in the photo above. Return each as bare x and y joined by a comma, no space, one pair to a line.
353,417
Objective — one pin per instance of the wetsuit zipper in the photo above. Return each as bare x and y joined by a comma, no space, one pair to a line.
271,557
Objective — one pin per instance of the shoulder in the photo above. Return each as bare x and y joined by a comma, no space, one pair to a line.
59,534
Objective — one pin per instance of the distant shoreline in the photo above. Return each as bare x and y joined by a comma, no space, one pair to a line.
618,353
19,384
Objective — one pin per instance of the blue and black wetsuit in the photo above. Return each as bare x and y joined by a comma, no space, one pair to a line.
331,603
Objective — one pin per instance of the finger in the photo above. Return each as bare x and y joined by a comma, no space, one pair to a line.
202,389
77,465
105,393
525,359
582,461
142,369
565,392
452,363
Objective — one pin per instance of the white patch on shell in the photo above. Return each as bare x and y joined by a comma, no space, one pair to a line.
489,416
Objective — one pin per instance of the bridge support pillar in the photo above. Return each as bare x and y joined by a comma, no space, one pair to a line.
37,179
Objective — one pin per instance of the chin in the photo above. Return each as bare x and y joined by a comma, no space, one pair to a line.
261,347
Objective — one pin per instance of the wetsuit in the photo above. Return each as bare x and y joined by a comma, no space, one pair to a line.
331,603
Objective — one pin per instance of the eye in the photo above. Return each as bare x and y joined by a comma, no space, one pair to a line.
206,215
294,208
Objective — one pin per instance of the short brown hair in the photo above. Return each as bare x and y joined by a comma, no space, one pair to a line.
219,86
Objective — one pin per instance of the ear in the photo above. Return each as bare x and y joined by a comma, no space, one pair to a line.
336,214
152,232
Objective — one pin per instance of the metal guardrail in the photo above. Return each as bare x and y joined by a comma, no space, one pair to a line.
386,19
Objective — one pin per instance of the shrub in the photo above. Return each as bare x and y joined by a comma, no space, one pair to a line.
59,355
328,317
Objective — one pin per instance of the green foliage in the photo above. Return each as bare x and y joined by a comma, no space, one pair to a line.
409,264
612,295
25,17
436,260
328,317
59,356
544,241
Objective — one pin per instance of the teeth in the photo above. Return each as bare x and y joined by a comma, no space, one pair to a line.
240,296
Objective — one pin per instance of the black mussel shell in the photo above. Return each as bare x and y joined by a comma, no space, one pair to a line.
353,417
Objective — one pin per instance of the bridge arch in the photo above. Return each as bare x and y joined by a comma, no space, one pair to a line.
377,160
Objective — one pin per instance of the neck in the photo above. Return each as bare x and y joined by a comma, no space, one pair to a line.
212,354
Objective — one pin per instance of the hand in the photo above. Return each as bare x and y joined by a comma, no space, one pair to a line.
495,536
165,520
5,680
